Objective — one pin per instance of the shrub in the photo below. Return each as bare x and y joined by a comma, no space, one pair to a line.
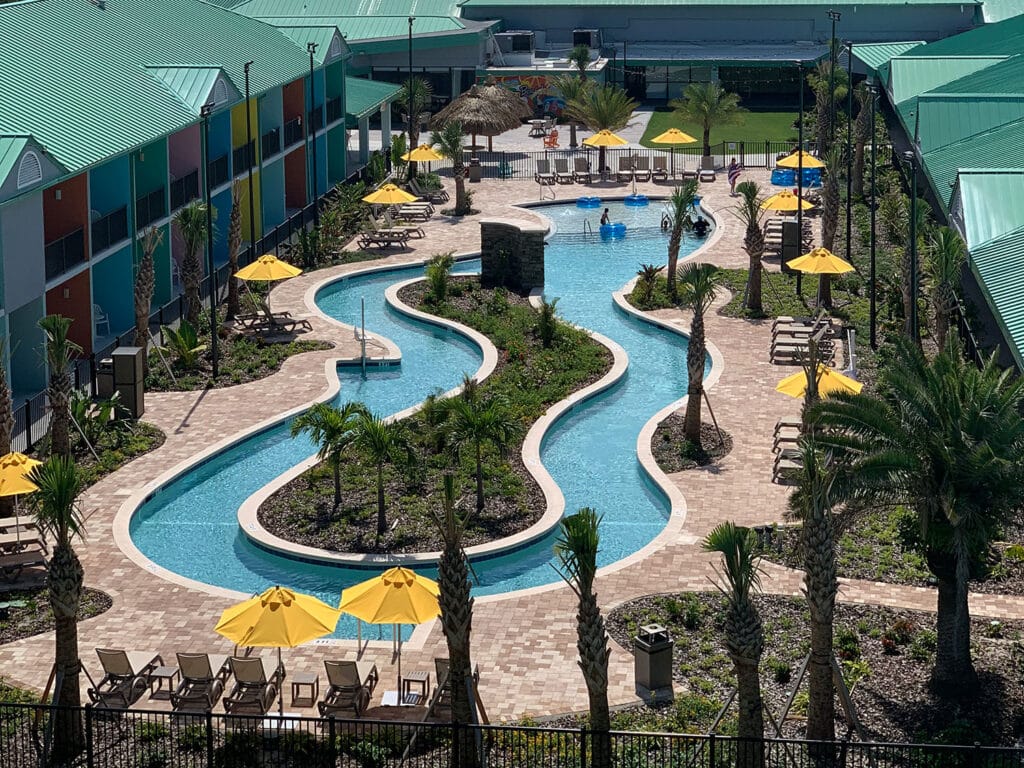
183,344
847,644
889,645
923,646
901,632
192,739
547,322
439,272
780,671
1014,553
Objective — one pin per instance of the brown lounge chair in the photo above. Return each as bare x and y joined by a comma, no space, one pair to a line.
562,173
351,685
257,682
625,172
660,171
125,677
443,694
642,168
581,171
544,174
202,682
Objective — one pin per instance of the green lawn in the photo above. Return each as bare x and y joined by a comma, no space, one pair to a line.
753,126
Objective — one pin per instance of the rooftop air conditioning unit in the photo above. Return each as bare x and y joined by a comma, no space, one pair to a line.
588,37
515,41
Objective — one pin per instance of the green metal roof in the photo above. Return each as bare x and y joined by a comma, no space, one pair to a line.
1007,76
592,3
305,32
948,118
1002,38
367,8
990,203
363,97
874,55
75,77
999,148
11,148
999,268
192,85
910,76
357,28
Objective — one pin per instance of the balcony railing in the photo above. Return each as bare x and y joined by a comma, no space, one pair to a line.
316,118
218,171
333,109
150,207
185,189
109,229
244,157
270,143
65,253
293,132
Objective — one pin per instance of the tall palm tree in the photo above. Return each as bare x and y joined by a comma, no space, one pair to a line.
413,100
55,506
333,430
821,79
449,143
946,439
576,549
944,259
830,205
145,284
812,505
710,105
6,427
698,284
383,442
572,88
234,246
191,224
863,130
744,633
579,59
601,108
456,616
749,212
473,422
59,351
679,206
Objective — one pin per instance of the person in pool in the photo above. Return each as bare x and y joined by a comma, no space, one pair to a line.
605,218
700,227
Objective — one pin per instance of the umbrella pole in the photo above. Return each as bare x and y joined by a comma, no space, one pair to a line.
280,693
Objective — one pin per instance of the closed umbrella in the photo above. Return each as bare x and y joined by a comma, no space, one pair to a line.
673,136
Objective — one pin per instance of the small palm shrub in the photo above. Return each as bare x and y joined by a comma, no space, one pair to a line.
183,344
547,322
439,272
648,274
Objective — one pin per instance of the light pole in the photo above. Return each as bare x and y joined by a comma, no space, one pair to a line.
873,90
205,111
408,96
311,47
251,157
911,158
800,173
835,16
849,150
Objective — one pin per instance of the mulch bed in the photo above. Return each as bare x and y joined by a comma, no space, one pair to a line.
36,617
674,453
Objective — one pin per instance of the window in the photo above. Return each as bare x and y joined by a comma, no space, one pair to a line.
30,170
244,157
185,189
150,207
334,109
293,132
65,253
218,170
270,143
109,229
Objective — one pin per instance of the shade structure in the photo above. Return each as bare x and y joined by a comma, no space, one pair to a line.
605,139
674,136
829,381
14,470
278,618
422,154
268,268
784,201
800,159
821,261
483,110
389,194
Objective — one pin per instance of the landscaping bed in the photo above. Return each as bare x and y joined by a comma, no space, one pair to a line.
528,376
36,616
674,453
907,712
116,445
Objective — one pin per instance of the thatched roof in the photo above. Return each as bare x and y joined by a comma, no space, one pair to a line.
484,110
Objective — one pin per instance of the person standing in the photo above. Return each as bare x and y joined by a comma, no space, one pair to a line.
605,218
734,175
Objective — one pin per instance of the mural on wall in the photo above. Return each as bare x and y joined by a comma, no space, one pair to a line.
535,91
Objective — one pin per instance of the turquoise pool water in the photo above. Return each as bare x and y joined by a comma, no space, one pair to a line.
190,526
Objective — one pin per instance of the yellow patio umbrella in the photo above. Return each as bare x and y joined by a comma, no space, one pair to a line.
268,268
14,470
422,154
800,159
397,596
821,261
389,194
278,618
829,381
674,136
605,138
784,201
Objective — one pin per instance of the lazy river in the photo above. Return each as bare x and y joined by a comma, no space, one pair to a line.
190,526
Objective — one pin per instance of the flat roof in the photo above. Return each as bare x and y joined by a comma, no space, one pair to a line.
750,54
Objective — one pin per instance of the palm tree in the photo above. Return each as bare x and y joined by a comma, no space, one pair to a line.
473,421
234,245
830,205
647,278
579,58
679,206
710,105
572,89
333,430
749,212
6,428
820,80
812,505
59,351
944,258
698,285
449,143
744,634
414,99
383,442
191,223
576,549
946,439
456,617
145,284
862,131
601,108
55,507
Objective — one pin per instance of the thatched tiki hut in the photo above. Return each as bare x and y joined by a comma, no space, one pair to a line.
484,110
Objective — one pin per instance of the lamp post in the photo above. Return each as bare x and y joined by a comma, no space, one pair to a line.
911,159
408,95
251,157
311,47
835,16
873,90
849,150
205,111
800,172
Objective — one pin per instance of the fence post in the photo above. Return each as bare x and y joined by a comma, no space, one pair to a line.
28,425
976,755
92,375
332,735
209,738
583,747
456,744
89,754
711,750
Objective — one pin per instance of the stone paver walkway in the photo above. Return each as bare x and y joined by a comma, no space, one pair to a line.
523,643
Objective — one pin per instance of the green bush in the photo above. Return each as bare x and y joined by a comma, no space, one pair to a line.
148,732
183,344
847,644
192,739
923,646
780,670
438,272
547,322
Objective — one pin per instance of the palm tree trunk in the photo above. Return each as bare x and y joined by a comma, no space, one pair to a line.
707,140
753,241
65,588
953,672
461,206
479,479
695,355
382,521
673,257
336,466
456,621
818,544
59,393
592,644
858,168
825,291
191,276
572,135
750,726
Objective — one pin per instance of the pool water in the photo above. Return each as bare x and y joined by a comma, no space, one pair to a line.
190,527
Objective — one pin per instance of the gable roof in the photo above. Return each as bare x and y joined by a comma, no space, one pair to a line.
999,268
988,203
910,76
997,148
363,97
197,86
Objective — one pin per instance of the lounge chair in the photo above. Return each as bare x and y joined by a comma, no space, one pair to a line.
430,195
688,175
794,350
413,230
202,682
660,171
125,677
544,174
642,168
414,211
257,681
11,565
266,320
443,694
581,170
351,684
625,172
562,173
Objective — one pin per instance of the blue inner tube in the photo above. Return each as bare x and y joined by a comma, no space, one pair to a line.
618,229
636,200
588,202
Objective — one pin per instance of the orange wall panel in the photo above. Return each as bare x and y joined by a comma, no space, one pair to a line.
295,179
294,97
77,305
62,217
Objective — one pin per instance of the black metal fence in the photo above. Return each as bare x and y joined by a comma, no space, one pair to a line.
37,736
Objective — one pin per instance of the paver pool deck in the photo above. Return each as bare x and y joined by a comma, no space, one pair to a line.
525,646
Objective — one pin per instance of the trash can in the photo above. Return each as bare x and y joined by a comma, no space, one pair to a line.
105,378
652,659
476,171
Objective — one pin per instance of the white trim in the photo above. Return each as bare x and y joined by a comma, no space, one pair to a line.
24,181
111,249
63,277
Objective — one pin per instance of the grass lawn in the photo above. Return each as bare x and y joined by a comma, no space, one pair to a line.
754,126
